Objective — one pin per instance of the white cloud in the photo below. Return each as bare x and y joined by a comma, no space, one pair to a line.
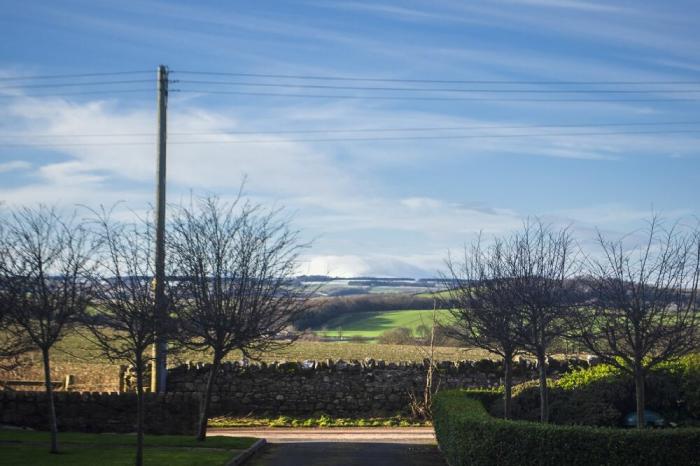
371,264
421,203
14,165
336,190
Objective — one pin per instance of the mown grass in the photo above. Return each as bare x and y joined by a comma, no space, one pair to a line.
19,447
373,324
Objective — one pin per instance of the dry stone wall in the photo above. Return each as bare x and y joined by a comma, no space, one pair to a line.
356,388
172,413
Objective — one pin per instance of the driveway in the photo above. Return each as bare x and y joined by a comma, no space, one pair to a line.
343,447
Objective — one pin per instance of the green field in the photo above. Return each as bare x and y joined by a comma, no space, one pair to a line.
373,324
444,294
19,447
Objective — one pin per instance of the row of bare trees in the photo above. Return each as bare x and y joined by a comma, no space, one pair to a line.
229,286
632,305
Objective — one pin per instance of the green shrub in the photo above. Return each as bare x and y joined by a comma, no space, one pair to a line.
582,377
691,385
602,395
468,435
599,404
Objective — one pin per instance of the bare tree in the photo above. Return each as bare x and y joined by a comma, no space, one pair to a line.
644,307
45,258
123,322
13,341
479,290
235,262
539,260
514,296
423,408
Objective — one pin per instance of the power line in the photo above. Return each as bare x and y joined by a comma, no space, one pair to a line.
463,99
365,139
66,76
64,94
475,136
346,97
423,89
435,81
97,83
363,130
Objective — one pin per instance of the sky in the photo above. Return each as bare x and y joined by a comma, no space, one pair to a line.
380,184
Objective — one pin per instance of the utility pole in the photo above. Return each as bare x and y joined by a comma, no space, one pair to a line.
160,347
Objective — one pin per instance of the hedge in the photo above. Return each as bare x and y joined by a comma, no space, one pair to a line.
468,435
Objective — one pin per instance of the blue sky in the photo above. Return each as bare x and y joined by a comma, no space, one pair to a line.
391,207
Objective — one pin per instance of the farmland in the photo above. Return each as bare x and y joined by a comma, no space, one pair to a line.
76,349
372,324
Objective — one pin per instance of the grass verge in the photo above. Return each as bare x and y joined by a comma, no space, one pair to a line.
19,447
316,421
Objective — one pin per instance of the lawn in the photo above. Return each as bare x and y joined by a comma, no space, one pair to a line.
19,447
373,324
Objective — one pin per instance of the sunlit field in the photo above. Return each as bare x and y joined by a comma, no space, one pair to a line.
373,324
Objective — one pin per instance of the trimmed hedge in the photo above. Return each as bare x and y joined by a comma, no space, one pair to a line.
468,435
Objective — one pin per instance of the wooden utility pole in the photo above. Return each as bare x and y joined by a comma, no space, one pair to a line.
160,348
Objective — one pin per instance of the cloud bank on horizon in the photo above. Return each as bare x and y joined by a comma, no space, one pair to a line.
391,207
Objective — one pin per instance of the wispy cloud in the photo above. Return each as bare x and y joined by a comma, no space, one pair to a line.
390,207
14,165
572,5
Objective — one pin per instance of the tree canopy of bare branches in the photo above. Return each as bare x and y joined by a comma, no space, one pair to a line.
539,261
124,319
236,263
42,274
643,307
13,341
513,296
483,315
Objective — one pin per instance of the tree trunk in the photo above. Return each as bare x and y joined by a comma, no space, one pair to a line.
53,426
139,409
206,399
639,389
507,385
544,401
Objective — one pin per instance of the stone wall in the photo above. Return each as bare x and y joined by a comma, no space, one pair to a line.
100,412
336,388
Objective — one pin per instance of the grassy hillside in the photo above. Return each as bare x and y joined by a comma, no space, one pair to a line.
326,309
444,294
373,324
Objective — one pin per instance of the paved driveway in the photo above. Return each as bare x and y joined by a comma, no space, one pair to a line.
343,447
348,454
